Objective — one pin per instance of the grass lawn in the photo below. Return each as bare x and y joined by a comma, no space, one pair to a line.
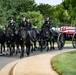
68,42
65,64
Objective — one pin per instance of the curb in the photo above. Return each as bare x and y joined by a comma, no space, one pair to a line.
7,70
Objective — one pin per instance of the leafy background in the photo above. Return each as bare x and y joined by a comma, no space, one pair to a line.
61,14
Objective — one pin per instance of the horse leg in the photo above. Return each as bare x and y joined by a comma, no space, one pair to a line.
47,46
1,48
50,44
13,50
18,50
31,48
35,47
22,51
41,45
4,47
53,44
28,50
10,50
17,46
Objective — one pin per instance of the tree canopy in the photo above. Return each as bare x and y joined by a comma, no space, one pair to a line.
61,14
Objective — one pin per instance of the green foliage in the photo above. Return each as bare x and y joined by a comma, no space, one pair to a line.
70,6
45,9
9,8
65,63
66,16
67,3
58,11
60,14
57,15
35,17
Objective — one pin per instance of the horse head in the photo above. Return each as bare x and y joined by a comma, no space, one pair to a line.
22,34
45,32
35,34
1,32
9,32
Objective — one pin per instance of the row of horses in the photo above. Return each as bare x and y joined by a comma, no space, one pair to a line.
27,39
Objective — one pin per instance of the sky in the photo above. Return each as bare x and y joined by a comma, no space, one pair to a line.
51,2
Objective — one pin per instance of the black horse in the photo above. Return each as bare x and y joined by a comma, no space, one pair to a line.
34,35
46,37
2,41
22,40
10,40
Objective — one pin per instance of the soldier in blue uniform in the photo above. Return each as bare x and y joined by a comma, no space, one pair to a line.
47,24
11,25
29,25
23,22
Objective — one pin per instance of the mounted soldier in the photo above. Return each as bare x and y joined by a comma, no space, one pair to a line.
23,23
29,25
11,25
47,23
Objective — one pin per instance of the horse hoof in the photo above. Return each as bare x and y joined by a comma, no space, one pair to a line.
21,57
53,48
28,54
40,50
47,49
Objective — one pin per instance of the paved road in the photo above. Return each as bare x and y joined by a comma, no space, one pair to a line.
5,60
39,64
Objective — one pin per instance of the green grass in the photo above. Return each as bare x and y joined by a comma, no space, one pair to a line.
68,42
65,64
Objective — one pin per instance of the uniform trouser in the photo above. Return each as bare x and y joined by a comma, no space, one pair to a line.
14,31
50,30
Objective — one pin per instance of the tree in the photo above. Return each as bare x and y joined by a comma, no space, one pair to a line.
67,3
45,9
57,14
13,8
70,6
66,16
35,17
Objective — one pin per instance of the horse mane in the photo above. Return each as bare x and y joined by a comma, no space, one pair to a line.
1,32
9,32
